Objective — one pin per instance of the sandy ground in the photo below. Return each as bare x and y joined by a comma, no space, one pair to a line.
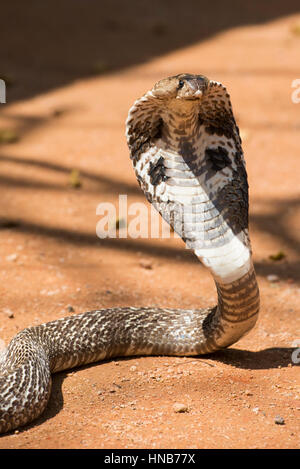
51,258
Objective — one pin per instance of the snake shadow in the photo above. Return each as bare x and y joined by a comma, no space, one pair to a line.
270,358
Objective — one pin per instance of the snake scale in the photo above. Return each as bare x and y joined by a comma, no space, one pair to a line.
186,152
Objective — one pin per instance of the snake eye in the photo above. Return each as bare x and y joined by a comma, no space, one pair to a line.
180,84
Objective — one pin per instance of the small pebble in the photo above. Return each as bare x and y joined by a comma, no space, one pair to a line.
12,257
133,368
272,278
180,408
146,264
279,420
70,309
9,313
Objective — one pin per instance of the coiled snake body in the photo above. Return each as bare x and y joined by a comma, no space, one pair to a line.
187,156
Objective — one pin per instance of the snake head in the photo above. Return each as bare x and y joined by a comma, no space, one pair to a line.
183,86
183,102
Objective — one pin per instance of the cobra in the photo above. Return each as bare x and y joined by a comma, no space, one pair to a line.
186,152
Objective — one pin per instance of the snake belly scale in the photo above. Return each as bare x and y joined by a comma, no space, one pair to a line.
186,152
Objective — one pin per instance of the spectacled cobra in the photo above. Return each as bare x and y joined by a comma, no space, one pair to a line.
186,152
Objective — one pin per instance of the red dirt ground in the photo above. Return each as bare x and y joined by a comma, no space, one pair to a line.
51,257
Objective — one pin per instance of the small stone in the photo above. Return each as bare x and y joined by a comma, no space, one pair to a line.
279,420
133,368
70,309
12,257
9,313
180,408
146,264
255,410
272,278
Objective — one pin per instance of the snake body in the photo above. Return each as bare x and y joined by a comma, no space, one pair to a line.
186,152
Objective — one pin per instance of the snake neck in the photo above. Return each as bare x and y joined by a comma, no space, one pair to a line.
237,309
222,247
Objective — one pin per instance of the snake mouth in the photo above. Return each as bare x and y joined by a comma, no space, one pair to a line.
195,97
